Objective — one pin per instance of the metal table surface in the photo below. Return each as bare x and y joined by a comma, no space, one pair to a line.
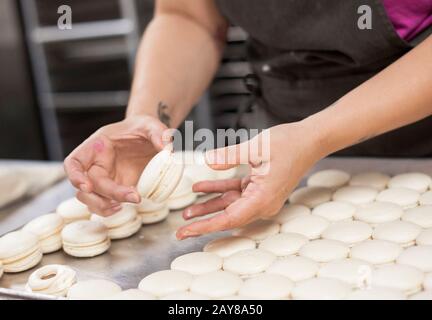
154,246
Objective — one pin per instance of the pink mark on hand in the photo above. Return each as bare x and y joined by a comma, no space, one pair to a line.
99,146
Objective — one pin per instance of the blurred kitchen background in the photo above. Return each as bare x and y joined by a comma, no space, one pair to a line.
59,86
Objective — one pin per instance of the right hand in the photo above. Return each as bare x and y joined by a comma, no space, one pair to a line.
106,167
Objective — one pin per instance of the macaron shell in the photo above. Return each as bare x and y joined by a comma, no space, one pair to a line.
321,289
371,179
17,243
329,179
291,211
294,268
197,263
63,278
284,244
51,244
126,214
72,210
183,188
152,173
147,205
182,201
87,252
93,290
45,225
153,217
324,250
126,230
24,264
84,233
224,247
162,283
311,196
249,262
169,182
268,287
216,284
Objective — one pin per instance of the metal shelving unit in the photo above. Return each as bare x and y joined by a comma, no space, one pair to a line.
83,75
40,37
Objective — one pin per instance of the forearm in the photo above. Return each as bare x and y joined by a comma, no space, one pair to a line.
175,63
399,95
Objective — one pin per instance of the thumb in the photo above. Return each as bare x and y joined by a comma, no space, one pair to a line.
228,157
157,133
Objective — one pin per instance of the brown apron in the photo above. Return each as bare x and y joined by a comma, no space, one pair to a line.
306,54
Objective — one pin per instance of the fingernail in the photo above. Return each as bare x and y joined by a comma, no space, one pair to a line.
132,197
188,233
84,188
188,213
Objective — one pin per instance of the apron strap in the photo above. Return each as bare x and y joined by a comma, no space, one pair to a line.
251,82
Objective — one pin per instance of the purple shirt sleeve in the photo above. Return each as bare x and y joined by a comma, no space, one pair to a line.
409,17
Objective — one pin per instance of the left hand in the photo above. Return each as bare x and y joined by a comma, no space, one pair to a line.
291,152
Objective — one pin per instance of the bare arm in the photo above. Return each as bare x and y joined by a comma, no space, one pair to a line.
399,95
178,57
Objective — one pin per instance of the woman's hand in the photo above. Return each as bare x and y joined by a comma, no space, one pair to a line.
106,167
278,158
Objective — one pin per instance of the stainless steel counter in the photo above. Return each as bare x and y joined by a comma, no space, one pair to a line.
155,246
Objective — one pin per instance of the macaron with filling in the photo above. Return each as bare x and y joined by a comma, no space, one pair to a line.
161,176
85,239
152,212
48,229
122,224
183,196
73,210
19,251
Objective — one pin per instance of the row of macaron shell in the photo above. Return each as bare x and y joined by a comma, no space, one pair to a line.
46,230
206,282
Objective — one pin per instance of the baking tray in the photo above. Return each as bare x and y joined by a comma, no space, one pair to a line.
155,246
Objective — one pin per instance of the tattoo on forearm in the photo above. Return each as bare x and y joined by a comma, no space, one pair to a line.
163,114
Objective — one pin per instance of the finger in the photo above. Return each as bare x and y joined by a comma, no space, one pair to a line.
98,204
157,133
79,161
217,186
228,157
76,174
105,186
213,205
240,212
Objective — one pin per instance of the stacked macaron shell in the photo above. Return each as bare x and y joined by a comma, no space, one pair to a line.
48,229
73,210
182,196
122,224
160,177
85,239
52,280
19,251
152,212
